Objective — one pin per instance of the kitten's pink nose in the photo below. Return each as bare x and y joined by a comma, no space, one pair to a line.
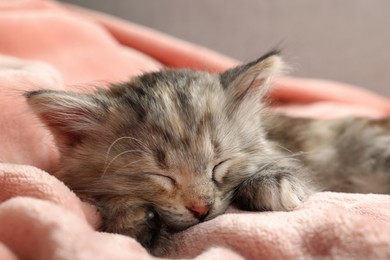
199,210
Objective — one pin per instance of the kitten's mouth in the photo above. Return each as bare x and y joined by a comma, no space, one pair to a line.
204,217
176,228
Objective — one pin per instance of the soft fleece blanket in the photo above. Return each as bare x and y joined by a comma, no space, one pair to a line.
47,45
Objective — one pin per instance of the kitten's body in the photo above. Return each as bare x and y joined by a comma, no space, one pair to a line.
344,155
170,149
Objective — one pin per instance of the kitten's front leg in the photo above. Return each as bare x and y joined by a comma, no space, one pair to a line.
278,188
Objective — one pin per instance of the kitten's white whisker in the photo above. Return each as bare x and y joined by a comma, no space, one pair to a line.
276,160
111,145
118,155
292,155
284,148
121,138
127,165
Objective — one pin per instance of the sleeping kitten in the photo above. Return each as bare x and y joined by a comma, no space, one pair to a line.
170,149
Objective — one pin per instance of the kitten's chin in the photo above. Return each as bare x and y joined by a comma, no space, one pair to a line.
163,243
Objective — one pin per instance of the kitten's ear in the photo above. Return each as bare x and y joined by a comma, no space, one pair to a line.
252,79
69,116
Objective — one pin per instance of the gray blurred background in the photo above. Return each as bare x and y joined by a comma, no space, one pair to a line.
343,40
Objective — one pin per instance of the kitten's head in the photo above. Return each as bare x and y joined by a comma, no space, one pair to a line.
163,151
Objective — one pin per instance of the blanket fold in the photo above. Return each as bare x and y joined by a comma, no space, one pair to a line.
346,226
47,45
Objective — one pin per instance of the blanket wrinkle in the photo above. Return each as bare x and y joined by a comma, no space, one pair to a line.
48,45
67,237
17,180
318,230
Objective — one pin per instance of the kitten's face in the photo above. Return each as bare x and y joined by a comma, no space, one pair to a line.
164,151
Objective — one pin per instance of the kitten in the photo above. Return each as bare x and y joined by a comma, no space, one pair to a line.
170,149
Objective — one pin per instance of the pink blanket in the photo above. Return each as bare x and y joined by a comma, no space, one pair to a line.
46,45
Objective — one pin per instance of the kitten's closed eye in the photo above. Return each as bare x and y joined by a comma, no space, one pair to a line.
165,181
220,170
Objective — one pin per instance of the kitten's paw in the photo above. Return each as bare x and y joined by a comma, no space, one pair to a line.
288,196
271,193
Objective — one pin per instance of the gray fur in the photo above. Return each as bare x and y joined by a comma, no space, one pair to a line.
170,149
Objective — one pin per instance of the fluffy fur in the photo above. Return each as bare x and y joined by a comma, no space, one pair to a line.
170,149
